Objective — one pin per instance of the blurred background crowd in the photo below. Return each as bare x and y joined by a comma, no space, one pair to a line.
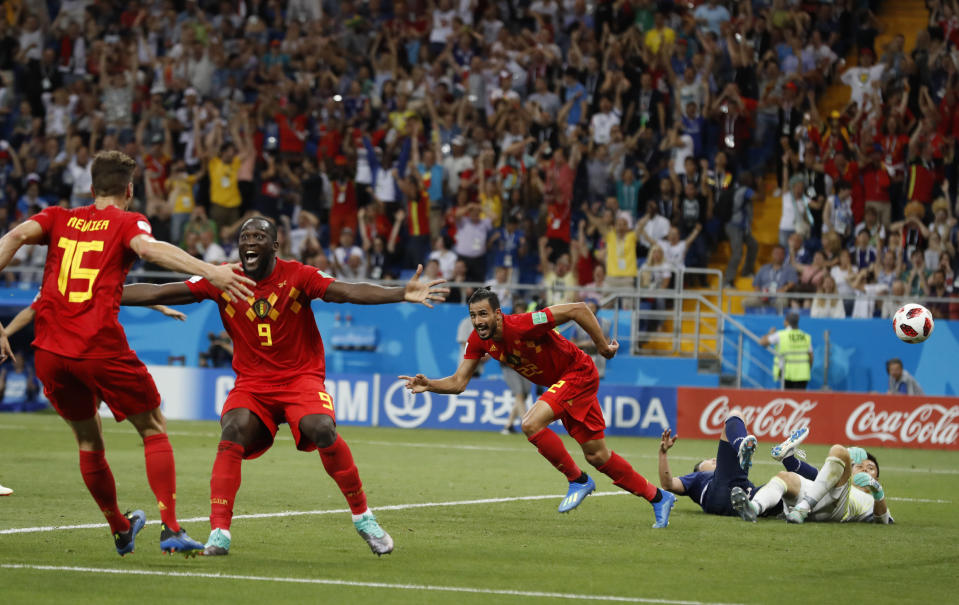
561,143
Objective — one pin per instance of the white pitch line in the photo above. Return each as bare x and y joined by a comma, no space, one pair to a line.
297,513
337,511
355,584
490,448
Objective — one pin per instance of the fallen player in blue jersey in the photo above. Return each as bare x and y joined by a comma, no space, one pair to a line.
713,480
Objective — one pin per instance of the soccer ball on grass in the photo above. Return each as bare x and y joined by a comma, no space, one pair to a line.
913,323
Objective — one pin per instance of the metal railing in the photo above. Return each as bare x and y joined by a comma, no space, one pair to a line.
782,302
715,334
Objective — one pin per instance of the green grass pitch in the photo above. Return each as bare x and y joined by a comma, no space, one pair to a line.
449,550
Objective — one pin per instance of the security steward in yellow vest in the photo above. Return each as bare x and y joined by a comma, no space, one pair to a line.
793,362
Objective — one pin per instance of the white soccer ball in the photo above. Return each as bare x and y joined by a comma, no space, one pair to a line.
913,323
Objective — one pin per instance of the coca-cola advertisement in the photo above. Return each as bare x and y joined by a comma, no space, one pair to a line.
922,422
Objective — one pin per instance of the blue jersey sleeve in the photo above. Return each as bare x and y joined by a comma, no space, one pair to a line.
696,484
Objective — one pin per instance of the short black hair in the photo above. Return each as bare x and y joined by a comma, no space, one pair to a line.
697,465
269,226
892,361
792,318
482,294
874,461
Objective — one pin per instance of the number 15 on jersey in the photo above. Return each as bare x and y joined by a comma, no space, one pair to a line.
70,268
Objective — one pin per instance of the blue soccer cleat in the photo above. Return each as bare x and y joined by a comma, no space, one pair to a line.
746,449
576,494
788,447
124,540
178,541
662,509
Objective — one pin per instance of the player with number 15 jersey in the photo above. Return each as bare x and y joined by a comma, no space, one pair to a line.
88,258
82,355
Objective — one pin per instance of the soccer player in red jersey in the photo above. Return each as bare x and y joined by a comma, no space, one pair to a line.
527,343
82,354
280,370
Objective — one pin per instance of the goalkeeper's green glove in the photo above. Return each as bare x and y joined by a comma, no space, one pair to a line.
857,454
865,480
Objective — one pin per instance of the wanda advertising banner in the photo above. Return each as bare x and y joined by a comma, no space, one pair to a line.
922,422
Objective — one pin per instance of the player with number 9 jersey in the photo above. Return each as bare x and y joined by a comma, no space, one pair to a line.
280,370
275,337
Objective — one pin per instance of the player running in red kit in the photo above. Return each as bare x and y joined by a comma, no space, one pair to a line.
82,355
280,370
528,343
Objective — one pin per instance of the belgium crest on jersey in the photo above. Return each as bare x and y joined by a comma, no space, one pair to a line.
261,307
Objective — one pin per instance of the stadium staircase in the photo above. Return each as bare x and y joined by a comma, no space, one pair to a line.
693,326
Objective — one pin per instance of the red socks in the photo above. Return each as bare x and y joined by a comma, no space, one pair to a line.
99,479
338,462
551,447
224,483
625,477
161,474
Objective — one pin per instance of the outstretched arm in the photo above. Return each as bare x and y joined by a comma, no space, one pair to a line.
27,232
415,291
666,479
22,319
149,295
176,259
451,385
581,314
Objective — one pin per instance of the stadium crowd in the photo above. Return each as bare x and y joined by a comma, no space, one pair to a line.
552,142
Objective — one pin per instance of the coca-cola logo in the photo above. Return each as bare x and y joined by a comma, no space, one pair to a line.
930,423
778,418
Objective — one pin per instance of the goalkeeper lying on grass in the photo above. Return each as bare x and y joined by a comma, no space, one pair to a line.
845,489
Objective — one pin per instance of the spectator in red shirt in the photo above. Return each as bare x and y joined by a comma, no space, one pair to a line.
922,175
841,169
876,182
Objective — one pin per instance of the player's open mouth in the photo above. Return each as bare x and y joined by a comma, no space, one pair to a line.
251,257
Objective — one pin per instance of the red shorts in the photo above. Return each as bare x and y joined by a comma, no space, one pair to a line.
573,400
288,403
75,387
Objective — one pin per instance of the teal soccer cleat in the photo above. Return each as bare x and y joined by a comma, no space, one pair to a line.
576,494
379,541
746,508
218,543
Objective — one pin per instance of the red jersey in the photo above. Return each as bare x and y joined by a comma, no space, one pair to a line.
275,338
419,209
158,167
88,257
922,180
531,347
558,221
288,129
